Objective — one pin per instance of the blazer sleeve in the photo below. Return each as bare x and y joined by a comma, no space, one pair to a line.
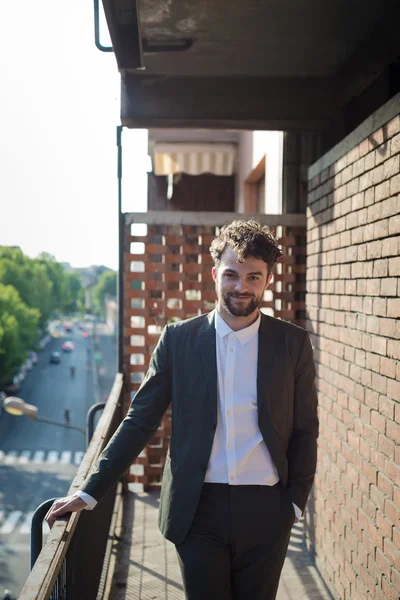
142,420
302,450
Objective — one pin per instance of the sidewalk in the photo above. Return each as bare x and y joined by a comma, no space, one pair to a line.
147,568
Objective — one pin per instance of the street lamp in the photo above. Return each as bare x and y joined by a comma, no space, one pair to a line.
17,407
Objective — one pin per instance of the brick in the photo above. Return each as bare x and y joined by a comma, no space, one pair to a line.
371,435
394,184
383,563
364,147
389,207
395,577
385,485
379,306
392,553
379,384
377,498
395,145
393,126
388,368
369,197
369,472
391,167
390,247
393,431
374,249
378,459
373,322
389,592
386,446
379,344
381,229
393,308
382,191
393,348
394,225
366,181
393,389
392,512
369,161
388,287
380,268
373,285
392,471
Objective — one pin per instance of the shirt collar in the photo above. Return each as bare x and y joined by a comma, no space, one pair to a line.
243,335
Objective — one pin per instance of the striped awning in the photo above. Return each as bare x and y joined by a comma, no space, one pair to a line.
194,158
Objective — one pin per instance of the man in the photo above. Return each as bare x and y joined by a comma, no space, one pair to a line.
243,447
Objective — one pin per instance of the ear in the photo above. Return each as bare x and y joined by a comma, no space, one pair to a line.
214,274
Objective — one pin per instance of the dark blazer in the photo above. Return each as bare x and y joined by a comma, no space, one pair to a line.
183,370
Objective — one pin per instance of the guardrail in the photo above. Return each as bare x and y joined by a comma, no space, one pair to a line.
72,565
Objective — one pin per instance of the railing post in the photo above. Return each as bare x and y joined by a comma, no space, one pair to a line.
90,420
37,529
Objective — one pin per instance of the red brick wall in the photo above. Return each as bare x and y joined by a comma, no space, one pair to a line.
353,306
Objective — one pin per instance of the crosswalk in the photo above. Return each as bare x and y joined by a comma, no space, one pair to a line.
17,522
40,457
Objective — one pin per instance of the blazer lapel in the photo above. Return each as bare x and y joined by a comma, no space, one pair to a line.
265,366
208,351
265,382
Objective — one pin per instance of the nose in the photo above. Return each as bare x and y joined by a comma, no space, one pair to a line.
240,286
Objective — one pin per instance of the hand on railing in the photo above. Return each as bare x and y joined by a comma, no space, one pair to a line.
64,505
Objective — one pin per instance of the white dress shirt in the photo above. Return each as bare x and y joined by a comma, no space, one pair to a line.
239,455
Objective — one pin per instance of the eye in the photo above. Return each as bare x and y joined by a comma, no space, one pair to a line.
254,278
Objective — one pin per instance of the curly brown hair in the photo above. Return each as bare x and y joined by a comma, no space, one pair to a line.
247,238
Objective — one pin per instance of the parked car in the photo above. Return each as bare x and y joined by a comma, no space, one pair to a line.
12,385
68,346
33,356
55,357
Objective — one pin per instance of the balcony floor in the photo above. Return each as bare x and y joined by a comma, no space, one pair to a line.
147,567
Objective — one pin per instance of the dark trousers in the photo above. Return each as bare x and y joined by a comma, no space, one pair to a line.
237,543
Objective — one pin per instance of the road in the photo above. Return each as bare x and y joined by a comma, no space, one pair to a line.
37,460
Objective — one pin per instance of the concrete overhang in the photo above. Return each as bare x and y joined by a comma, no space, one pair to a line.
248,65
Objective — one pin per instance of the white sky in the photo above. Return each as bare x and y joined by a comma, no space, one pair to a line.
59,108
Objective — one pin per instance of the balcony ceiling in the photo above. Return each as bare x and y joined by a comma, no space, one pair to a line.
324,52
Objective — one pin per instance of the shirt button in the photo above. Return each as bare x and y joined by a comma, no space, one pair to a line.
230,349
228,412
229,446
231,478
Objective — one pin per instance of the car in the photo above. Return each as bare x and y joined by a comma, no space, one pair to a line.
33,356
12,385
68,346
55,357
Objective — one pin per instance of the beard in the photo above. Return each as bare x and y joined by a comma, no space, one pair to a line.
249,305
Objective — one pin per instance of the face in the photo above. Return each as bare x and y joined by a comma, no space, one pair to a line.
240,286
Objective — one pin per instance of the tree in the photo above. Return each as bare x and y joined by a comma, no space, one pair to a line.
106,286
29,277
56,275
18,329
72,292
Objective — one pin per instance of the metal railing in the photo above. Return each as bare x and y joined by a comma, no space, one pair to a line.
71,564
